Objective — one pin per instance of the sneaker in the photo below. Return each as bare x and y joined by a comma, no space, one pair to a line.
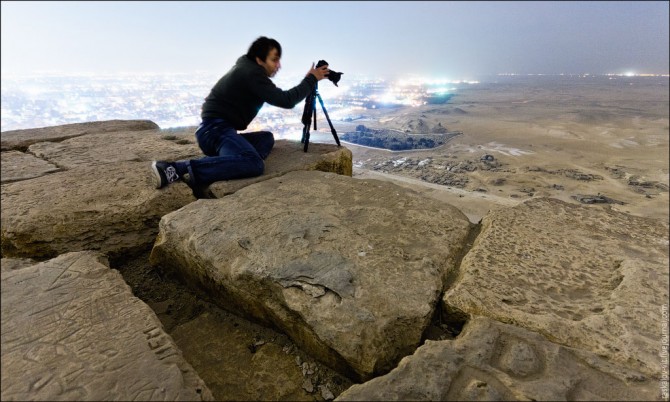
165,173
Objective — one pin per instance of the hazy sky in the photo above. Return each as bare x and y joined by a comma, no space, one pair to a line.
457,40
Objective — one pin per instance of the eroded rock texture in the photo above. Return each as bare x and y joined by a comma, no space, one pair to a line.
21,139
288,156
104,148
351,270
564,301
584,277
72,330
19,166
112,208
491,361
101,195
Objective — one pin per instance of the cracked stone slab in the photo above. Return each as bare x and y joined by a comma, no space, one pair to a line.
111,208
492,361
350,269
148,145
22,139
122,146
103,198
288,156
18,166
72,330
589,278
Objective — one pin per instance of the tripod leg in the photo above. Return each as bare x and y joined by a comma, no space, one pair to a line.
332,129
305,137
307,114
305,130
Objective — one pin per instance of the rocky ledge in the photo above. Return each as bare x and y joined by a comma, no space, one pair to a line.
394,290
332,261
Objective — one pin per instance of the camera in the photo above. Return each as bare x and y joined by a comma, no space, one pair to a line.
333,76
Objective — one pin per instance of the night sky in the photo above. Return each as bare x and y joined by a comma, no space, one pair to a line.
455,40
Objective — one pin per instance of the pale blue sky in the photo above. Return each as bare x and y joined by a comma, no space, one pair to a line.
458,40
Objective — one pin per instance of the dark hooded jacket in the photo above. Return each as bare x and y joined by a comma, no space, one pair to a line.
239,95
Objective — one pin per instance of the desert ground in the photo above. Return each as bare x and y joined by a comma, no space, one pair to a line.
594,139
552,137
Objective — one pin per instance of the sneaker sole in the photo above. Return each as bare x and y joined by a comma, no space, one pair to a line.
157,176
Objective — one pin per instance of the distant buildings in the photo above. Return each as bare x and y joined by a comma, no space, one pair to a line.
174,100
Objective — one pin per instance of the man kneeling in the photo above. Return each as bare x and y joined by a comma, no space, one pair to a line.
231,105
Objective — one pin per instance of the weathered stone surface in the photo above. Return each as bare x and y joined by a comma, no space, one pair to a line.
21,139
350,269
288,156
72,330
112,208
104,199
351,272
584,277
19,166
149,145
122,146
491,361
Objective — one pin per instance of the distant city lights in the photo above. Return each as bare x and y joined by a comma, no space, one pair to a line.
625,74
175,100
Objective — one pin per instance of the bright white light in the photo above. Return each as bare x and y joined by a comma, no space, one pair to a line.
629,74
388,97
438,91
33,91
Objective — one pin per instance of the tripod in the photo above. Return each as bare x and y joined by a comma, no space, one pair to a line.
309,113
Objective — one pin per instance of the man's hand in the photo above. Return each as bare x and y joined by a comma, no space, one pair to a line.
320,73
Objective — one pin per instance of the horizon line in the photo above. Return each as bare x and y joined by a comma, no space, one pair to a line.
359,76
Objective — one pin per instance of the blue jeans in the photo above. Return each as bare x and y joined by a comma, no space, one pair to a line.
229,155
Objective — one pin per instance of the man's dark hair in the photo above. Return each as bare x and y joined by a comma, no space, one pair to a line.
261,48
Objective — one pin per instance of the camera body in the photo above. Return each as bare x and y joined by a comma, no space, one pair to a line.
333,76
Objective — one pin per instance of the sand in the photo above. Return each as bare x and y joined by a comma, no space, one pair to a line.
558,137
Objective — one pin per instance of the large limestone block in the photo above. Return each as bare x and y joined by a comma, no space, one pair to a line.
179,144
122,146
491,361
21,139
585,277
288,156
349,269
103,197
19,166
113,208
72,330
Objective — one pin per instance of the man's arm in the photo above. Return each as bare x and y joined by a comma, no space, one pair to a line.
265,89
268,91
